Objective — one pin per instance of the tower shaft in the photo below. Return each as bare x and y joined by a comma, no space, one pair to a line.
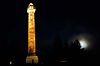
31,58
31,30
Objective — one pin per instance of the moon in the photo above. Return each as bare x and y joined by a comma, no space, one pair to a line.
85,41
83,44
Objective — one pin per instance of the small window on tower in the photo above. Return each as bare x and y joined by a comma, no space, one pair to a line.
31,14
31,19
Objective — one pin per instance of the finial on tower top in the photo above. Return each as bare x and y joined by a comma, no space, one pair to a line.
31,4
31,8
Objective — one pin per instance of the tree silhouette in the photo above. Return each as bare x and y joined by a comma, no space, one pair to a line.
76,45
75,52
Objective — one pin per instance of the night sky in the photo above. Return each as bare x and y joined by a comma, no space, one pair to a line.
66,18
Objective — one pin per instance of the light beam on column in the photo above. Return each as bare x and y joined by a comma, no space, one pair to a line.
31,58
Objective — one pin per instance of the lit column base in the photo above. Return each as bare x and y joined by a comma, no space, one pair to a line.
32,59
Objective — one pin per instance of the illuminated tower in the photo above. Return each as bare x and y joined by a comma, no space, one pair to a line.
31,58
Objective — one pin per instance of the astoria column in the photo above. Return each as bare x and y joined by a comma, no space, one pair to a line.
31,58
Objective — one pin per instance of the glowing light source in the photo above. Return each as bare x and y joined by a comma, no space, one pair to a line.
83,43
85,39
10,62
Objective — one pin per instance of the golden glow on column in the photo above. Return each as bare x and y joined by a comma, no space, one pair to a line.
31,58
31,29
